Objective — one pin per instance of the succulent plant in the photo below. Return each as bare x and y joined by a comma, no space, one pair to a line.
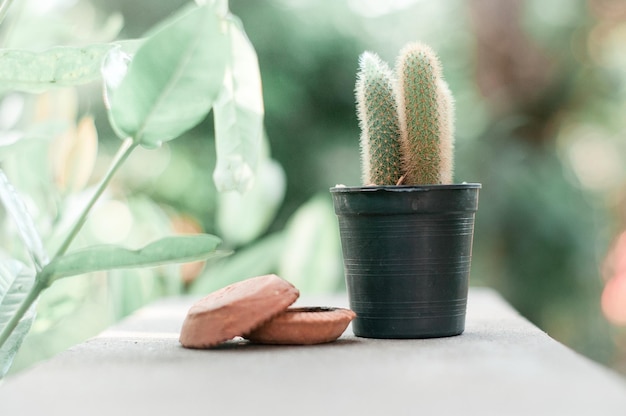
378,117
406,119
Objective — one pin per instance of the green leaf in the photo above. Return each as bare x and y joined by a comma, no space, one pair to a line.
115,66
24,222
178,249
15,283
243,218
238,114
62,66
172,80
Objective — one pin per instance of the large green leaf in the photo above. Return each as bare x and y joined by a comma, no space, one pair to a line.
238,114
178,249
61,66
243,218
15,282
23,221
172,80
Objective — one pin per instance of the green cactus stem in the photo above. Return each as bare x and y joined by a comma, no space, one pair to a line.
425,109
378,118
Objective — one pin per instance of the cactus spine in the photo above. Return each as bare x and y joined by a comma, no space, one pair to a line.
421,136
378,118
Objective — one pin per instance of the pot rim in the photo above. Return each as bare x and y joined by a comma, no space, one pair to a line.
403,188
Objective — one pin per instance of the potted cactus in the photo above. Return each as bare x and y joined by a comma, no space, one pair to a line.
407,233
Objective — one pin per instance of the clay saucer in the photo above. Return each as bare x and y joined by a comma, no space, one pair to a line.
303,326
236,310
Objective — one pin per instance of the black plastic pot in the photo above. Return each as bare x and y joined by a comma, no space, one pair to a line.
407,252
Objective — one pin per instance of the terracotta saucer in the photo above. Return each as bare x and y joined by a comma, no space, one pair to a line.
303,326
236,310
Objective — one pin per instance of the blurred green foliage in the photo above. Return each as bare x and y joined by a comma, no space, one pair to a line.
205,62
540,88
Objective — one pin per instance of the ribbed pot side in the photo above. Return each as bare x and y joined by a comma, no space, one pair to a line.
407,253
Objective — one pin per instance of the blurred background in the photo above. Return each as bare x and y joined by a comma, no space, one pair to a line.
540,93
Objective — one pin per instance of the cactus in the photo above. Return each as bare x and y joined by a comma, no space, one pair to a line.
425,117
378,118
420,139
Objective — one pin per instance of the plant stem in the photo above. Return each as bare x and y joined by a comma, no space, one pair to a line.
124,151
31,297
42,280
